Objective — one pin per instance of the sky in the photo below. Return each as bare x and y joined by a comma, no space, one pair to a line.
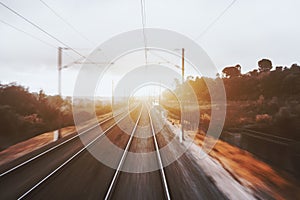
247,32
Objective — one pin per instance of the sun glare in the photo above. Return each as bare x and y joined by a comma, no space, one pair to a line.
148,91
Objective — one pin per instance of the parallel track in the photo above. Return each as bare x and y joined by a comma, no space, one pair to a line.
56,146
118,171
75,155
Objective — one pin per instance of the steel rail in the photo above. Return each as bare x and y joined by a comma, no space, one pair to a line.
162,172
56,146
117,172
70,159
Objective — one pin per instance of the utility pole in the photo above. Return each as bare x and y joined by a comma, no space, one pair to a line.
182,107
59,66
112,93
57,135
182,66
159,97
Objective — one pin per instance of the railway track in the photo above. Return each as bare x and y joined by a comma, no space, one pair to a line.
74,171
82,132
71,148
156,180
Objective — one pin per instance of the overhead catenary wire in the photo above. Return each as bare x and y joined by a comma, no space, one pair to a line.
218,17
31,35
66,22
28,34
143,15
164,59
143,18
41,29
144,10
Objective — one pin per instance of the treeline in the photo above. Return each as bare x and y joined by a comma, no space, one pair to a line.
24,114
267,97
282,83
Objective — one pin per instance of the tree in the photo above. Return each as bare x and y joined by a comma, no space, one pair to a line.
295,67
41,96
253,73
265,65
233,71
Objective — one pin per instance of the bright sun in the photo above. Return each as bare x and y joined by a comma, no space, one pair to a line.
148,90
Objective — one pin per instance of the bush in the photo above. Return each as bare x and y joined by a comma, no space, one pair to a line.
263,118
24,115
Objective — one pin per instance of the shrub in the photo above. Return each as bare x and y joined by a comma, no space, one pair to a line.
263,118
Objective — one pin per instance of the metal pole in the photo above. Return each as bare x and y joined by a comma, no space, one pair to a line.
182,66
59,66
159,98
112,93
182,81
